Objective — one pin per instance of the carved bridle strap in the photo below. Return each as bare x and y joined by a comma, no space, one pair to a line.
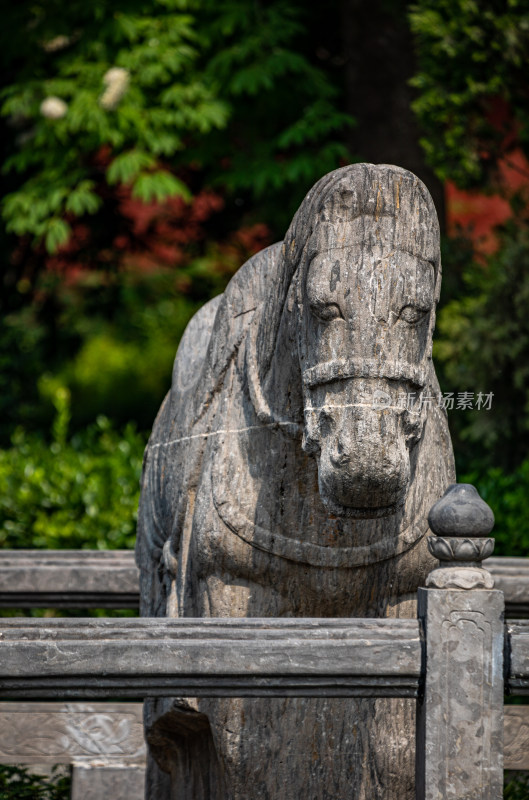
341,369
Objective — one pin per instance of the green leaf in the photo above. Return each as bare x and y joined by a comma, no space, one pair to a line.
126,166
57,234
83,200
159,186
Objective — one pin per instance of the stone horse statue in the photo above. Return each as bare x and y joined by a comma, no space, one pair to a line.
290,472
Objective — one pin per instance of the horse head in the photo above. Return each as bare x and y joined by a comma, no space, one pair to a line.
363,257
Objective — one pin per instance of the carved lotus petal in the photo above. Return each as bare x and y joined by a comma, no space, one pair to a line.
472,549
487,548
465,550
451,548
440,548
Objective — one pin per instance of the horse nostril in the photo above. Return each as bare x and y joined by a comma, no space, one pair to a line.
340,456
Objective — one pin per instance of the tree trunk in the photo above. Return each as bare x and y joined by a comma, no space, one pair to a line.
379,62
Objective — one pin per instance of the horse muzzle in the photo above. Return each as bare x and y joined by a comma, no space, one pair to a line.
362,447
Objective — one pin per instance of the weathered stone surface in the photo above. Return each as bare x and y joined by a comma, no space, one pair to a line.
460,713
461,577
64,733
226,657
103,734
68,579
517,649
516,738
460,520
451,548
461,512
98,783
511,576
102,741
290,474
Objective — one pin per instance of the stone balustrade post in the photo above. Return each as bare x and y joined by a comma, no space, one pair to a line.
460,707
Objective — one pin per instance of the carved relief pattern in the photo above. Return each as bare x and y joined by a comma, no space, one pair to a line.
516,737
65,735
461,719
470,636
448,548
459,578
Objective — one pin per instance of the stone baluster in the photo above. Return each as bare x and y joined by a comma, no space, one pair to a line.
460,708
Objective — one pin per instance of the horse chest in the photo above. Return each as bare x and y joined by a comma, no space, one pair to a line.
226,575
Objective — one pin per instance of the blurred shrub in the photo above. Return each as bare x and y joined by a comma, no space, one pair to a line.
17,783
21,359
111,336
471,84
123,366
482,345
111,343
87,77
105,96
506,493
76,493
516,786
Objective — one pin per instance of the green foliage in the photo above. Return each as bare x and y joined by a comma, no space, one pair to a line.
123,365
127,166
157,186
21,358
125,93
470,56
287,126
110,343
81,493
472,105
121,76
516,786
482,343
506,493
110,338
17,783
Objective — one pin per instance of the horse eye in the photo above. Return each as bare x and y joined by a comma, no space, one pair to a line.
412,314
327,312
325,423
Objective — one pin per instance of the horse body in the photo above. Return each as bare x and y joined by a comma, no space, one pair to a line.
275,486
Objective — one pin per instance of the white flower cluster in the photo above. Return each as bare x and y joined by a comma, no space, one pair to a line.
53,108
116,81
57,43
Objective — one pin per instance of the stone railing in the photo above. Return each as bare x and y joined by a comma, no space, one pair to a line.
110,579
